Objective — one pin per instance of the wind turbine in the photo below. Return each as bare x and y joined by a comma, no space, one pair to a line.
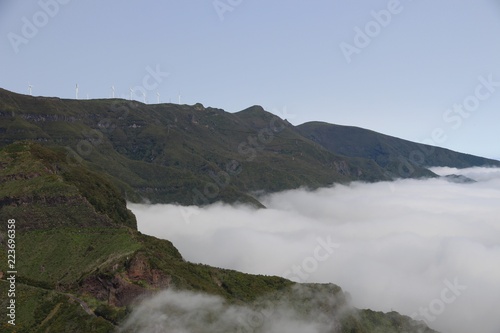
29,88
179,97
144,97
113,89
131,92
76,91
158,97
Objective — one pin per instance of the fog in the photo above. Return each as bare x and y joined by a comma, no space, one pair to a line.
429,249
188,312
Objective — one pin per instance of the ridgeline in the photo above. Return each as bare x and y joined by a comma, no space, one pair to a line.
196,155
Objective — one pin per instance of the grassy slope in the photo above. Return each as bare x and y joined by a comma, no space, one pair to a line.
104,261
40,310
35,176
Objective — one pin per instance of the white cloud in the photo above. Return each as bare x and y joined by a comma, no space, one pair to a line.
398,243
477,173
186,312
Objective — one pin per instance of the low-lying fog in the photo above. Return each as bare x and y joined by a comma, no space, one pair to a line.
429,249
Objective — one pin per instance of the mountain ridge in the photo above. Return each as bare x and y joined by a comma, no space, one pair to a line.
196,155
375,145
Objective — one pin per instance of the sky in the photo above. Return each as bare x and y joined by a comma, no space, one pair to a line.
402,68
428,249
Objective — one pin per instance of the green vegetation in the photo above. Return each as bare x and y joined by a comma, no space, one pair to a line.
39,310
69,252
378,322
58,193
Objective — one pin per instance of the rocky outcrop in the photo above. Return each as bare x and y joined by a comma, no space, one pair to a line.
123,288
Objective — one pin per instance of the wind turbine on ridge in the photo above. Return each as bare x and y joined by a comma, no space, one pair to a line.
29,88
76,91
131,92
158,97
113,89
144,97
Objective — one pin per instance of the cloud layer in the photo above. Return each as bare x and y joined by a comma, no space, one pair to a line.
425,248
188,312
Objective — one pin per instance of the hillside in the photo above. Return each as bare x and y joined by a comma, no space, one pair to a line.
408,158
82,264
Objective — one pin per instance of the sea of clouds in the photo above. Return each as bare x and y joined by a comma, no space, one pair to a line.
429,249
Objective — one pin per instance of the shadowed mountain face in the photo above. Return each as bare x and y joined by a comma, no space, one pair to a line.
409,157
196,155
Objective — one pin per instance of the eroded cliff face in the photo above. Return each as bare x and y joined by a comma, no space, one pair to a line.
126,282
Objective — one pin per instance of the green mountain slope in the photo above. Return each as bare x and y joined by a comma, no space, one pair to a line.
401,158
82,265
179,153
195,155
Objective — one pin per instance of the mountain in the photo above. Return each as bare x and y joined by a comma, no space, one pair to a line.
405,158
179,153
67,168
195,155
82,266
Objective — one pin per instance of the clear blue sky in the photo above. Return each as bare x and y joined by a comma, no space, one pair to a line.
280,54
